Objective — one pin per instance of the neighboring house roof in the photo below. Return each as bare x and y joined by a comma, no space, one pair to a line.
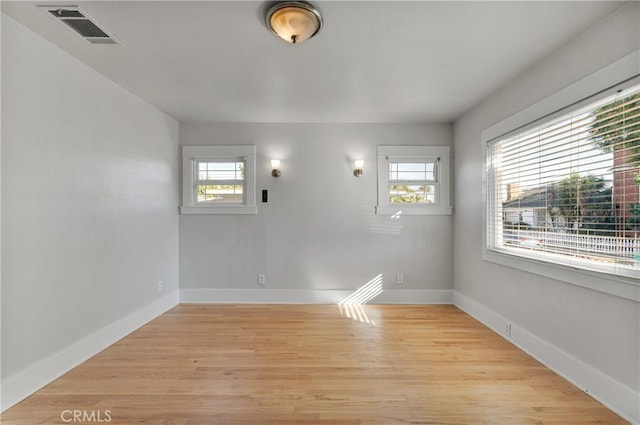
532,198
542,197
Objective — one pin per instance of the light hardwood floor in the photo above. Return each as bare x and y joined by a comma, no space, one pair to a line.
303,365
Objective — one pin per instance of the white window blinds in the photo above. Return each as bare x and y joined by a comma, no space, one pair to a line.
567,190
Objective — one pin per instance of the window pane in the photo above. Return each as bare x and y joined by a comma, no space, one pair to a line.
221,170
570,187
412,194
219,194
421,166
416,171
393,171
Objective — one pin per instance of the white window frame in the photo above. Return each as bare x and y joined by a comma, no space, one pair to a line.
192,154
438,154
622,74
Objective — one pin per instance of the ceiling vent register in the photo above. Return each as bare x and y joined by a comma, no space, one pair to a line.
80,23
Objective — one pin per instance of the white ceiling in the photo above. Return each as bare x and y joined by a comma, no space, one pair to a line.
378,61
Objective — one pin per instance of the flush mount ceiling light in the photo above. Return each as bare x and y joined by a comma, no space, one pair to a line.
294,21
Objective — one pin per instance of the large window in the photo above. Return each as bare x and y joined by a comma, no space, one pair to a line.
413,180
566,190
218,180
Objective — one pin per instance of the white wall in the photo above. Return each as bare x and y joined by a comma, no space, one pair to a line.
599,329
90,190
318,231
0,216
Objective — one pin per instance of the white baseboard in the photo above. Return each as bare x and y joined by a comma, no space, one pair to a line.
303,296
24,383
615,395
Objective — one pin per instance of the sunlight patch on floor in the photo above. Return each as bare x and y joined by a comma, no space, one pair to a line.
351,306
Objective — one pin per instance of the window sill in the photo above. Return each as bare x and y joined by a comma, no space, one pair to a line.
398,210
220,209
624,287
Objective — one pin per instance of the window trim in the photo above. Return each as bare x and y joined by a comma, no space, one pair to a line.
622,73
409,153
192,154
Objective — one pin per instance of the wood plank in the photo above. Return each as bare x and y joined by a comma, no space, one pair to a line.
313,365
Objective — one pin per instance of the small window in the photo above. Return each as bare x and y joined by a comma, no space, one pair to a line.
218,180
413,180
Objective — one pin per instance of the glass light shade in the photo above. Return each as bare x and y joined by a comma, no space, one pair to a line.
358,164
275,167
294,22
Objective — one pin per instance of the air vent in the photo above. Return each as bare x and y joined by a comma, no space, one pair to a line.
62,13
80,23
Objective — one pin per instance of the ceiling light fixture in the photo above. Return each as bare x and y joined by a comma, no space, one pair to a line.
294,21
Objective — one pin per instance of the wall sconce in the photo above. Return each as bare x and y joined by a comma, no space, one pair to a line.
358,163
275,168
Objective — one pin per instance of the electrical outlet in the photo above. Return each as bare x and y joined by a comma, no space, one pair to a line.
507,330
400,279
262,279
160,286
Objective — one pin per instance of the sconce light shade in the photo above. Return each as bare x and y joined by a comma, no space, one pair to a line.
275,167
359,164
294,21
